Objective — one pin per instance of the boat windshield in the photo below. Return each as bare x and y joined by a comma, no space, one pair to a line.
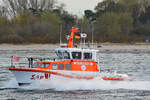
66,55
59,54
76,55
63,54
87,55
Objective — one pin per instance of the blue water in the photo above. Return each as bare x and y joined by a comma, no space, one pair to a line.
136,65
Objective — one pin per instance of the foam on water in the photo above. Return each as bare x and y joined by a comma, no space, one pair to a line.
10,84
74,84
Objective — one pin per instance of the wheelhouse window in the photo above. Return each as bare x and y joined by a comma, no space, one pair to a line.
66,55
59,54
36,64
45,65
54,66
76,55
63,54
87,55
68,66
61,66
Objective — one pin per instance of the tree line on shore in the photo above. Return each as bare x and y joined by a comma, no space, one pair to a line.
42,21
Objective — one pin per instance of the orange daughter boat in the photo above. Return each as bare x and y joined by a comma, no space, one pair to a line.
71,62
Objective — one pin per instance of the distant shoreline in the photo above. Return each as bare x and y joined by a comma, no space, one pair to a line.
104,43
104,48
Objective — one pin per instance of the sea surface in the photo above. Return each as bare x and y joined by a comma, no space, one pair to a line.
135,64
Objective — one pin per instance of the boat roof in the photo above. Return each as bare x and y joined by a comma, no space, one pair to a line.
77,49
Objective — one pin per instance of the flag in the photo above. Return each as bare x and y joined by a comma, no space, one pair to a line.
83,35
67,37
77,36
15,59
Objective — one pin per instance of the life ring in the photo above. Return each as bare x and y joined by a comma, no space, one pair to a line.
83,68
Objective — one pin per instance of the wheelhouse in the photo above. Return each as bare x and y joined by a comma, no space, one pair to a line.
76,54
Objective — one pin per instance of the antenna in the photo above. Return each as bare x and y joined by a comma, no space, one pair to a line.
60,33
92,25
92,35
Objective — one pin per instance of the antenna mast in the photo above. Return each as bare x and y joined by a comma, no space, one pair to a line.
73,30
60,33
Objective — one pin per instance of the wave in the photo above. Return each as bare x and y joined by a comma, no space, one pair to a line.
64,84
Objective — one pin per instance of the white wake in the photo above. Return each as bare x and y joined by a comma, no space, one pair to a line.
75,84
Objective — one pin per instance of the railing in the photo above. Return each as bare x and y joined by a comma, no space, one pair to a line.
27,62
88,45
22,62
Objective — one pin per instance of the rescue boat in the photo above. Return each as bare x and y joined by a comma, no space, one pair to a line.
71,62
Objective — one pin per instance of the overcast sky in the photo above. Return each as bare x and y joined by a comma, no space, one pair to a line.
78,6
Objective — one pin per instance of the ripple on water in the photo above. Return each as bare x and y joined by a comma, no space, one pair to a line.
137,65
